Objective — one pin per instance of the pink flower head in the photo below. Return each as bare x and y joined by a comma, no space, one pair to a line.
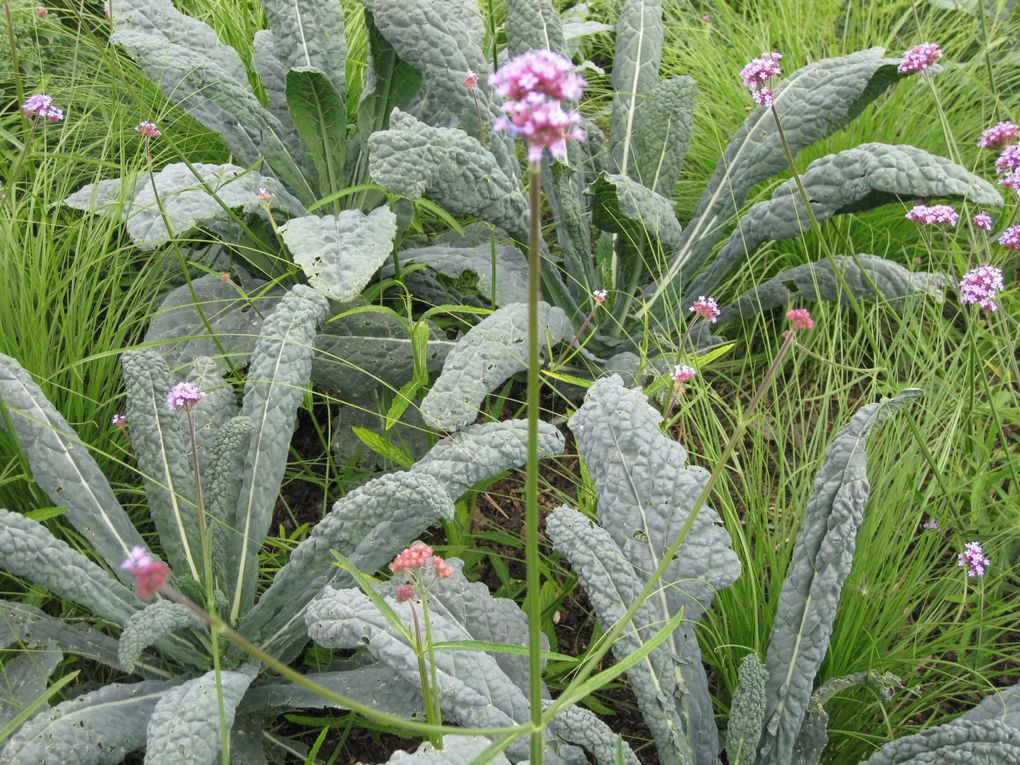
942,215
974,559
40,106
1011,238
799,318
264,194
996,137
183,394
982,220
707,19
415,556
405,592
543,125
1008,160
147,129
980,286
931,523
919,58
471,79
41,13
148,572
705,307
119,420
599,296
758,74
682,373
442,568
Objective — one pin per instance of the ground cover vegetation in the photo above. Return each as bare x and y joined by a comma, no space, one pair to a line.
338,211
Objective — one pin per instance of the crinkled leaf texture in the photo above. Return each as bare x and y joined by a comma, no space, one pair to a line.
817,281
988,742
184,728
24,624
662,131
821,561
309,33
624,206
645,490
97,728
320,116
1003,706
580,726
747,712
341,253
867,176
180,330
280,368
449,167
63,468
151,624
533,24
486,355
457,750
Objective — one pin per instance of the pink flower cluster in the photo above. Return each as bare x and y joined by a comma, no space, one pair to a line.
919,58
983,221
682,373
1007,165
40,106
148,572
599,296
1010,238
183,394
980,286
758,73
264,195
417,556
119,420
973,558
534,85
147,129
998,136
800,318
705,307
942,215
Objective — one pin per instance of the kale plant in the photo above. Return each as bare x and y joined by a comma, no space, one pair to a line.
170,706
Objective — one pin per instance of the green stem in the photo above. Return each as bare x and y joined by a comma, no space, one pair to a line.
531,485
423,677
19,90
433,671
988,55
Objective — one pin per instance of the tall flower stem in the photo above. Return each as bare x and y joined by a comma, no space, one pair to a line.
531,485
423,677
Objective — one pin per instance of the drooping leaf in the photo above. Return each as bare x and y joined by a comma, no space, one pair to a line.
163,447
989,742
533,25
639,35
484,450
97,728
146,627
280,368
486,355
662,132
206,78
580,726
187,197
63,468
21,623
369,526
310,33
320,116
180,330
626,207
457,750
184,728
24,676
341,253
747,712
820,564
449,167
817,281
867,176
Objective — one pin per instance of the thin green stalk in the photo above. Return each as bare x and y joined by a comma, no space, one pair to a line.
19,90
423,677
531,486
988,55
433,671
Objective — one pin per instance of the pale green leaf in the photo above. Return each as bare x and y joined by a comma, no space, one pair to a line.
320,117
639,35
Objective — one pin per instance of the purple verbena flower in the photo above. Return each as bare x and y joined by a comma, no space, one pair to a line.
682,373
706,307
599,296
183,394
147,129
942,215
758,74
1008,160
931,523
998,136
264,194
973,558
148,572
919,58
119,420
982,220
1011,238
980,286
542,124
40,106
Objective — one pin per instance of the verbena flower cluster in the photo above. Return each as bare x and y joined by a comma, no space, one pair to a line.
417,556
534,85
148,572
599,296
983,221
757,76
148,129
1007,165
1010,238
40,107
705,307
800,318
183,394
942,215
980,286
998,136
682,373
973,558
919,58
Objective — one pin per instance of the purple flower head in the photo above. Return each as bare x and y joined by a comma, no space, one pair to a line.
147,129
543,125
980,286
974,559
183,394
919,58
1011,238
707,19
682,373
41,13
264,194
148,572
599,296
119,420
758,74
40,107
1009,160
942,215
931,523
982,220
996,137
705,307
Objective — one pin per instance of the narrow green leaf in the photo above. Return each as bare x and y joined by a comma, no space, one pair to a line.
383,447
